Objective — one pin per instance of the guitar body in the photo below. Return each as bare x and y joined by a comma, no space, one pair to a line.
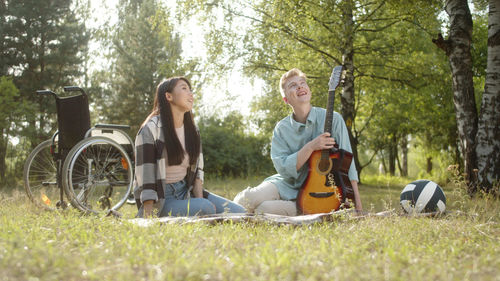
323,192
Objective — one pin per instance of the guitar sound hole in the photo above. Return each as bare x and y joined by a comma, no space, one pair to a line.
324,165
321,194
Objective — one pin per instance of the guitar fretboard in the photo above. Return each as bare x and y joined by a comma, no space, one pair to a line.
329,119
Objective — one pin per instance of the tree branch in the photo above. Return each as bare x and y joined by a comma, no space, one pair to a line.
301,39
362,20
370,161
380,28
443,44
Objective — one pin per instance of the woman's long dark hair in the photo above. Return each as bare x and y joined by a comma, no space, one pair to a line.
162,107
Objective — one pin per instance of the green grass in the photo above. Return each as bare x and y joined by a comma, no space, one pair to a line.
462,245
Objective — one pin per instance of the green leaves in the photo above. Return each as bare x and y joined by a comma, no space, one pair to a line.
9,101
229,149
401,81
43,46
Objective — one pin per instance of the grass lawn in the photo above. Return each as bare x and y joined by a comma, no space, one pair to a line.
462,245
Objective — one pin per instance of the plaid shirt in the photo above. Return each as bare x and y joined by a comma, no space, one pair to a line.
151,163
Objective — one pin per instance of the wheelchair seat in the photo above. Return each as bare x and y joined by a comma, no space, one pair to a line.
115,133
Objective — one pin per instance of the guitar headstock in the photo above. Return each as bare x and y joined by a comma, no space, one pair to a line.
335,78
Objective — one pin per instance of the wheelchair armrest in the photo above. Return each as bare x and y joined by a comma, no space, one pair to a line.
115,133
111,126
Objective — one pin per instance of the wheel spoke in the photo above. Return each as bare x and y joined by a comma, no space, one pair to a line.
97,179
40,169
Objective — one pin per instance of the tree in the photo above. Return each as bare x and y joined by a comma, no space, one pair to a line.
293,33
9,112
488,135
229,151
43,46
392,112
458,49
145,50
479,136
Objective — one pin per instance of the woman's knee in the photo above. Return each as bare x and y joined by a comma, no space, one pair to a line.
232,207
223,205
201,206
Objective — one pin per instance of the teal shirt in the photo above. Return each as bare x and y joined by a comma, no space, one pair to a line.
289,136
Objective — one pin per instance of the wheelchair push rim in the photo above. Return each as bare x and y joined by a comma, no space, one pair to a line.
97,175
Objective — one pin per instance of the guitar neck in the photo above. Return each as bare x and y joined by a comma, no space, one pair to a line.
329,112
329,120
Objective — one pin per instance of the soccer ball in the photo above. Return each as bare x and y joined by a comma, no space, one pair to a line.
423,196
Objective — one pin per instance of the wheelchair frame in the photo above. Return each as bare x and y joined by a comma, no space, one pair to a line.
93,166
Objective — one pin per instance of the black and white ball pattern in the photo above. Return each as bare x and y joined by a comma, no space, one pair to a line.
423,196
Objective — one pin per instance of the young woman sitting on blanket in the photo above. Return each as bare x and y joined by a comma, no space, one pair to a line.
168,160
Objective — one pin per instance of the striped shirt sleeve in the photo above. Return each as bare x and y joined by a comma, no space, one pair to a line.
145,164
200,174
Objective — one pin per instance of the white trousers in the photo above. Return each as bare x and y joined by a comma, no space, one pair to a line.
265,198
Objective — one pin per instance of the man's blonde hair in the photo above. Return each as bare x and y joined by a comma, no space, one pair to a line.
289,74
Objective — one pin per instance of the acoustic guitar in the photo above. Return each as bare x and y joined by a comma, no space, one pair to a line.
327,186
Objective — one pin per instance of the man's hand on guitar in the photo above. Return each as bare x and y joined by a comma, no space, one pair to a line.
323,141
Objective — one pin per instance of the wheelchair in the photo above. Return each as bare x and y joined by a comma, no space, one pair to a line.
93,166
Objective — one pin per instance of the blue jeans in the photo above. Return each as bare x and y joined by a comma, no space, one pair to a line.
176,205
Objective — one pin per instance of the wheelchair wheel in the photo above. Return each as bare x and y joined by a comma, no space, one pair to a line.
97,175
40,177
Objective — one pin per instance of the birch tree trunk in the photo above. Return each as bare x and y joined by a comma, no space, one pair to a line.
347,98
458,50
488,135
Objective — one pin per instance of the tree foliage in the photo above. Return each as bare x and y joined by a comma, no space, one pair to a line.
398,85
43,45
386,42
229,151
9,113
145,49
43,48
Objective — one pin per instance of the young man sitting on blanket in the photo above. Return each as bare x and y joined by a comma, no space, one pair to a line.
295,138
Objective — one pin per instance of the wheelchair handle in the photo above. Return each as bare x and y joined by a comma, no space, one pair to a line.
45,92
74,89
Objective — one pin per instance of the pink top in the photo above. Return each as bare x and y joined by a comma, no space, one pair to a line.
178,172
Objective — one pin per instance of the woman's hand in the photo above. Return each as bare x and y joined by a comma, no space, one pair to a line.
148,208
